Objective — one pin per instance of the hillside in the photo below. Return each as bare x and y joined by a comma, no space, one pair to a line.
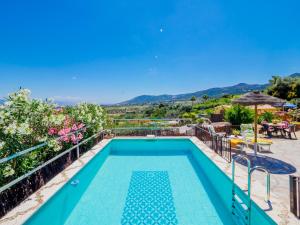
295,75
211,92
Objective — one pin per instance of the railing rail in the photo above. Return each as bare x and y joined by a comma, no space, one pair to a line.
157,131
26,151
220,144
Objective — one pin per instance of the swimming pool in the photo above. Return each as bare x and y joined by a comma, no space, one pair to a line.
146,181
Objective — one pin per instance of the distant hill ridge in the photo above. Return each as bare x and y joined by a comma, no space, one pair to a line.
240,88
211,92
295,75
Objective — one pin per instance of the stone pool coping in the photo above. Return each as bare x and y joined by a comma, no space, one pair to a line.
280,210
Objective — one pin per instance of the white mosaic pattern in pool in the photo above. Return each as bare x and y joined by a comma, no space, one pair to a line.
149,199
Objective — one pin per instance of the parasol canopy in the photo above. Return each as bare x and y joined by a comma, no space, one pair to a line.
257,98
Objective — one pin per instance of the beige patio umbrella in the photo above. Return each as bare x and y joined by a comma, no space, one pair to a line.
257,98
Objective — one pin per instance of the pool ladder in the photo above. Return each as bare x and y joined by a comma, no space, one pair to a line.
241,208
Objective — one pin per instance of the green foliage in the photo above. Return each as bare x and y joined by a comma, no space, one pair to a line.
236,132
92,115
26,122
285,88
237,115
267,116
192,115
205,98
193,98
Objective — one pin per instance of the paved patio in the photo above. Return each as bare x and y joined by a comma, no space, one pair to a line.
283,161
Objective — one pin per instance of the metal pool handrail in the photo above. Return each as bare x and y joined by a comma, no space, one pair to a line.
263,169
249,170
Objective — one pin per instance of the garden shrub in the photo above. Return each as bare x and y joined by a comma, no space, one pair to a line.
27,122
266,116
238,114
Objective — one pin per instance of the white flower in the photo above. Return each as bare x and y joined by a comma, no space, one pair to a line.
2,143
54,144
11,129
8,171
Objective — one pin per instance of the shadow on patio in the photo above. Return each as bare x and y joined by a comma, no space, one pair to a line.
275,166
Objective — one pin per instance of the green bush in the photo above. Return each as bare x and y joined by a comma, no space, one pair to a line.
27,122
238,114
267,116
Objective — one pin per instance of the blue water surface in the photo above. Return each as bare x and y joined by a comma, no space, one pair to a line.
141,182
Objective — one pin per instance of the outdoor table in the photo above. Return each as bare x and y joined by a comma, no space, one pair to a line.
277,127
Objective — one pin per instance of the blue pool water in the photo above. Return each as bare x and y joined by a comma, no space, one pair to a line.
164,181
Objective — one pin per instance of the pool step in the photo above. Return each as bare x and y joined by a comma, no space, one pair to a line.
240,210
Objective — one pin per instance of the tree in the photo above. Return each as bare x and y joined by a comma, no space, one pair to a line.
205,98
285,88
193,99
237,115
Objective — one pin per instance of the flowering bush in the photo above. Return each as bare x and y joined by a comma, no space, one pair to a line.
26,122
93,116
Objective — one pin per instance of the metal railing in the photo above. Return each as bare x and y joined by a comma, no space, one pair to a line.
220,144
147,126
37,147
237,202
268,180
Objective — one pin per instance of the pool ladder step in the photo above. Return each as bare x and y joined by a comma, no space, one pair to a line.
240,210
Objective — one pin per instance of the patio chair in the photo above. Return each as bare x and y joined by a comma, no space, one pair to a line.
266,129
289,130
248,136
247,128
212,131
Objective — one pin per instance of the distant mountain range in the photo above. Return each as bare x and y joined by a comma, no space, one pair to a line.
240,88
295,75
211,92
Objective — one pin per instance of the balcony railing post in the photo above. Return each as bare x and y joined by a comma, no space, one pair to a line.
77,143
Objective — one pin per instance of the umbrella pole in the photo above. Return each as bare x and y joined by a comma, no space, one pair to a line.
255,130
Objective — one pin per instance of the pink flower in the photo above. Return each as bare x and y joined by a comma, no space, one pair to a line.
80,136
73,139
81,125
52,131
62,132
74,127
65,139
67,130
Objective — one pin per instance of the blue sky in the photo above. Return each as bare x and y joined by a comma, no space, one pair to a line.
110,51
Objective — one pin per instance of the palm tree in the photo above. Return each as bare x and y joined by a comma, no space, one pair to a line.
193,99
205,98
